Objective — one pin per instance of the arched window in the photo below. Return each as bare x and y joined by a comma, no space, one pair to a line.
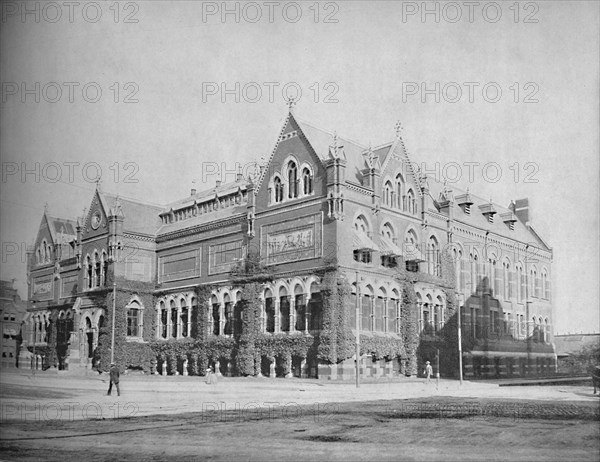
433,256
97,269
104,269
278,189
410,204
388,191
89,272
520,282
412,252
269,311
173,319
388,231
361,225
134,319
184,318
292,175
506,279
307,182
164,320
228,329
545,285
399,191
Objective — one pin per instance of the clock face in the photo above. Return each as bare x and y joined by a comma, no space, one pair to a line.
96,219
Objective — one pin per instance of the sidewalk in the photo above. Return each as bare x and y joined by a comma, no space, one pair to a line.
40,397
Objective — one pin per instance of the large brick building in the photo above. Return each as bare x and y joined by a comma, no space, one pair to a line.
12,314
268,274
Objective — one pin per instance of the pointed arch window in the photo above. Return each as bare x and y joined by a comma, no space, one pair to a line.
307,182
388,192
278,189
134,319
292,174
399,190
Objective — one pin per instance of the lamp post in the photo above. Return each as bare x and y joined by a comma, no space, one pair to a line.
112,339
357,353
460,365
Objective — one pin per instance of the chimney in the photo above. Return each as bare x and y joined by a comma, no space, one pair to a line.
521,210
239,177
193,192
218,183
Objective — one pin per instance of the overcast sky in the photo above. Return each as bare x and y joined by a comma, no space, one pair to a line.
518,95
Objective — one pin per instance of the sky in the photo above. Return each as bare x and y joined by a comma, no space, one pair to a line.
156,97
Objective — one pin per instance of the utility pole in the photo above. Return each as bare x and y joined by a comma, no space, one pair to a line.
357,353
34,340
460,366
114,309
437,368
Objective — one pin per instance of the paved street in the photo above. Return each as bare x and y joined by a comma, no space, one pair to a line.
62,397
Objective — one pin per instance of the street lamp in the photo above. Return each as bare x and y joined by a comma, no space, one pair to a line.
357,352
112,339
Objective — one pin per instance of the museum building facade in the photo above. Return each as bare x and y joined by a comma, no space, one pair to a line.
277,274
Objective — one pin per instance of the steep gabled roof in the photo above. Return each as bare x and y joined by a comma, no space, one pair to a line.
321,140
140,217
61,229
522,232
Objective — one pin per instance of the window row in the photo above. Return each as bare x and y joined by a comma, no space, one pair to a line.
396,195
506,282
291,183
477,326
96,268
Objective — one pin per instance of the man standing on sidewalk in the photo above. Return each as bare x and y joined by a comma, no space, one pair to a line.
114,378
428,371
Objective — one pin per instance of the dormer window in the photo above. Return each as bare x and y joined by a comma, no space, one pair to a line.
509,219
488,211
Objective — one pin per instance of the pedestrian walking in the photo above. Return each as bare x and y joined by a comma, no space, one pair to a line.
428,371
211,378
114,378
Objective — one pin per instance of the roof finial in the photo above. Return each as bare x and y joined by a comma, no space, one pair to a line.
46,207
291,104
399,129
98,181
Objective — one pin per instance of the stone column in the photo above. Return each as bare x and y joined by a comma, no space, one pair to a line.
158,323
179,322
210,318
292,313
221,319
277,316
272,368
185,366
386,317
303,369
307,313
218,369
169,323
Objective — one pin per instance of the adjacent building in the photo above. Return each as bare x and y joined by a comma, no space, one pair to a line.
277,274
12,314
